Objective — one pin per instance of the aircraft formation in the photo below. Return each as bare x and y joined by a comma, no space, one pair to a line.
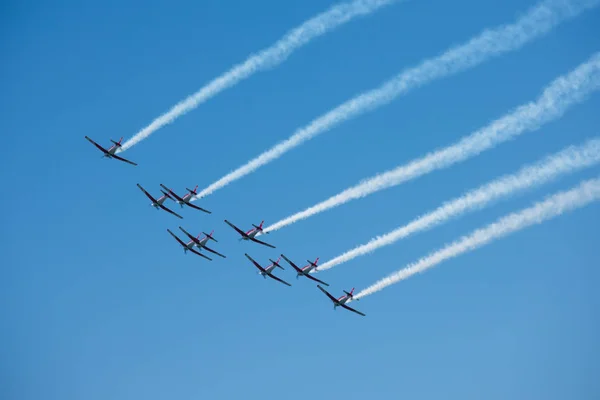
198,244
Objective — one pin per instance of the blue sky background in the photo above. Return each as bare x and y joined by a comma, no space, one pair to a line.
97,301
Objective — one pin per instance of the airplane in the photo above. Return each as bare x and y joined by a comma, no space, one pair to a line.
341,301
186,198
267,271
159,203
201,243
188,246
251,234
110,153
305,271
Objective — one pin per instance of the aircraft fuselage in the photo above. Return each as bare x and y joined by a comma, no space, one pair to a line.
308,268
186,199
341,300
159,201
112,150
268,270
189,245
202,243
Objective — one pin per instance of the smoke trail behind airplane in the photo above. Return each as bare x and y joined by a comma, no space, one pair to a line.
538,21
556,98
553,206
570,160
268,58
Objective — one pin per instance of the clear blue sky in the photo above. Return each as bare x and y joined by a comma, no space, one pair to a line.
98,302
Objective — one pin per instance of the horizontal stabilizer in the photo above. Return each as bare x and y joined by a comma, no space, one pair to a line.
209,236
259,228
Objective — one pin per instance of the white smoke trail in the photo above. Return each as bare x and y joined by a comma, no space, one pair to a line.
569,160
276,54
552,104
538,21
553,206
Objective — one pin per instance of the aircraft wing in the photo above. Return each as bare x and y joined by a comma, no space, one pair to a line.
261,242
278,279
328,295
241,232
172,193
257,265
214,252
170,211
123,159
97,145
189,235
197,208
176,238
352,309
200,254
309,276
147,194
292,264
